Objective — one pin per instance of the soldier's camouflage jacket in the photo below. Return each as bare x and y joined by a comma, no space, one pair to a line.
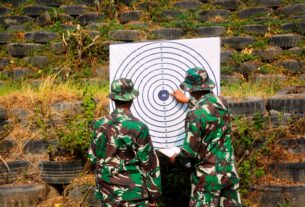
127,167
208,143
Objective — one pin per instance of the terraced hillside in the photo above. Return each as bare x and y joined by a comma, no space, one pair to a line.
54,81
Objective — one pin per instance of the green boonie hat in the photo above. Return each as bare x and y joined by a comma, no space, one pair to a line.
197,79
122,90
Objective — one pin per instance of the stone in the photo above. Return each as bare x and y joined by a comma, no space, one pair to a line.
68,26
268,54
96,26
285,41
78,191
238,43
13,2
44,20
36,146
74,10
5,37
147,5
227,4
20,114
41,36
88,2
268,77
40,61
169,33
18,73
65,17
58,47
128,16
55,3
254,12
298,27
293,9
6,21
3,114
263,20
188,4
293,66
4,11
102,71
6,146
127,2
93,33
214,31
35,82
211,14
269,3
4,62
225,55
298,18
22,49
248,68
16,28
89,18
127,35
231,78
171,14
65,107
255,29
295,50
35,11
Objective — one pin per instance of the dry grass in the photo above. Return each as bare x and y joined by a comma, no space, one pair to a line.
259,88
38,102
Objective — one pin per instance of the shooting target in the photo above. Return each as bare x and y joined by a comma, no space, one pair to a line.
157,69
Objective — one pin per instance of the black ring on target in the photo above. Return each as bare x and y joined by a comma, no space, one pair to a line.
149,102
151,60
178,140
168,110
165,69
169,42
162,68
132,69
141,107
163,104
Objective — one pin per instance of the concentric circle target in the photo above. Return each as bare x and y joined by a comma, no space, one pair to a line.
157,69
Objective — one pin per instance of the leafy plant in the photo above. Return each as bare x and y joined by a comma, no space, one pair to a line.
79,42
75,137
249,144
242,57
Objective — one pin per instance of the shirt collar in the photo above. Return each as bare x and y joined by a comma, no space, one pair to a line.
122,111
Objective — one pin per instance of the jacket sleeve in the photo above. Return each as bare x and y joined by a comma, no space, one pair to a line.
92,148
149,164
192,140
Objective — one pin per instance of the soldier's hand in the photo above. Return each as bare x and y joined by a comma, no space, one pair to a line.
152,204
179,96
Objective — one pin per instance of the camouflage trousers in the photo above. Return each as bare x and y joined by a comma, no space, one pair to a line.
126,204
211,193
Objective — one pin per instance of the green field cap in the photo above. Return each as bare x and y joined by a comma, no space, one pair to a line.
122,90
197,79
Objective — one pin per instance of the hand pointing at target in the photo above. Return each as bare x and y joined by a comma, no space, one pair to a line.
180,96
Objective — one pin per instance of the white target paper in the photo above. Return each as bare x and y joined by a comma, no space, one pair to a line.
158,68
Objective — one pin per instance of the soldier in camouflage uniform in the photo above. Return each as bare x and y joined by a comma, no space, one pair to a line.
126,166
207,145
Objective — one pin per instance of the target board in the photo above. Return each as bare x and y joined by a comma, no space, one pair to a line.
157,69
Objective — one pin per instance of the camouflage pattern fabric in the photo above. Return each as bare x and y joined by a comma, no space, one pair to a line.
127,168
197,79
208,145
126,204
122,90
